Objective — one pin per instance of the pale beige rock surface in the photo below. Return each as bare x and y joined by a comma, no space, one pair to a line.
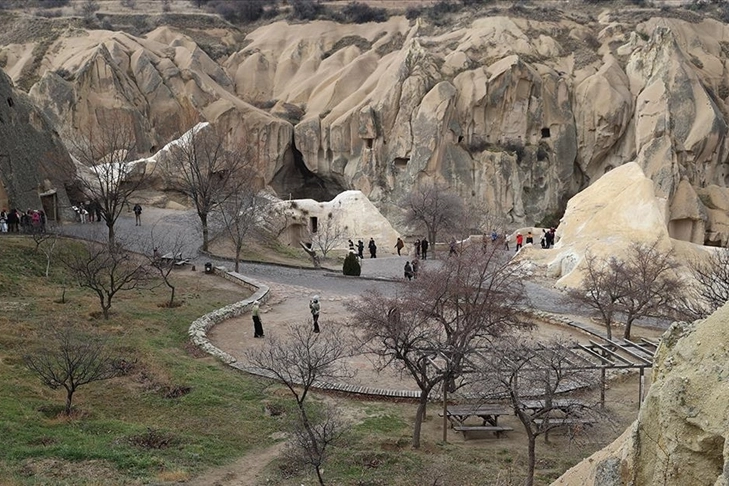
516,111
682,431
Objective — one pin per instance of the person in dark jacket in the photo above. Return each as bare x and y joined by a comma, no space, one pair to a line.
408,271
373,248
424,248
360,249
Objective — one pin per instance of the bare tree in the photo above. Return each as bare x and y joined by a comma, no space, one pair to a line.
709,287
445,316
240,214
301,360
644,284
601,289
648,284
435,207
46,242
520,369
106,270
69,359
160,245
328,235
201,166
311,446
108,178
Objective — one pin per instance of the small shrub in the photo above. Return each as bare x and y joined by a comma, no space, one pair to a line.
360,13
351,265
305,9
52,3
152,439
413,12
130,4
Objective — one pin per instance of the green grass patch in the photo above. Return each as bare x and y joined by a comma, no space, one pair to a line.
132,428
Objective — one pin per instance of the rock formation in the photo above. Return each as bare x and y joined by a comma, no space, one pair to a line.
350,215
518,110
34,164
681,436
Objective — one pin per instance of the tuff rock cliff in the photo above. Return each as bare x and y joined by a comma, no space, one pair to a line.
33,160
681,436
516,109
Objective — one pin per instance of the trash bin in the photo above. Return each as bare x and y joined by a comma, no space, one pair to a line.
208,267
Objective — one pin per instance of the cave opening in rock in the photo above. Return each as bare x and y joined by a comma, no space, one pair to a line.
294,180
545,133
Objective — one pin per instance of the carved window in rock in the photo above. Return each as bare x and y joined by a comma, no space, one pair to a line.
314,221
545,132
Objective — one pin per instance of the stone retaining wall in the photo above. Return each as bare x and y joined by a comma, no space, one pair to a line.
199,328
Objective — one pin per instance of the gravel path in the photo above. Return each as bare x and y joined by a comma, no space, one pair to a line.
163,227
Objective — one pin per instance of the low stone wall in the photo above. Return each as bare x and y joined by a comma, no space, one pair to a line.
199,328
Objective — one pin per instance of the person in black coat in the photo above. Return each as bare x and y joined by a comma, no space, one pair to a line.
360,249
373,248
424,248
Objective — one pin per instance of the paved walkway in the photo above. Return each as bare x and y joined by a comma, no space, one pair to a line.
291,288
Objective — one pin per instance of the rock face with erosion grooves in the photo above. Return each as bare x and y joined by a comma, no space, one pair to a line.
34,164
681,436
516,110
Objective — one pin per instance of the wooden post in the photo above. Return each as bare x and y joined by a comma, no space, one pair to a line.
641,384
602,387
445,413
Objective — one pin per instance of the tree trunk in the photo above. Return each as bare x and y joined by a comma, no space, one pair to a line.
628,327
172,295
205,232
110,226
609,330
237,257
532,460
318,475
69,398
419,417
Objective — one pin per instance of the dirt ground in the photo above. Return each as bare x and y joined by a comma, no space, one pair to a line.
290,304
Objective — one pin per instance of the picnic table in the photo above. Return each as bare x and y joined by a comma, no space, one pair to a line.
488,413
174,259
565,405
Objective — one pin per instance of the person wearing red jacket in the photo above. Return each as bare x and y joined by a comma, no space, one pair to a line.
519,241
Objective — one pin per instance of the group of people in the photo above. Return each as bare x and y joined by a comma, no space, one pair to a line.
88,212
359,248
314,308
31,221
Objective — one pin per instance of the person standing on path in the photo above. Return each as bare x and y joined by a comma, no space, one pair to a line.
360,249
399,245
417,248
314,307
138,215
373,248
519,241
351,246
424,248
408,271
257,325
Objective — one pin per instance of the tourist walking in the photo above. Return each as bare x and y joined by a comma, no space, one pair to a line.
137,215
257,325
360,249
417,248
424,248
315,307
452,247
399,245
519,241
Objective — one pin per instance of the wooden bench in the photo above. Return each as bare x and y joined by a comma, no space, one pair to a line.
481,428
573,424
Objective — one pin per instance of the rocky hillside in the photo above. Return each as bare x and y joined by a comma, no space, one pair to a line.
682,432
33,159
518,109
